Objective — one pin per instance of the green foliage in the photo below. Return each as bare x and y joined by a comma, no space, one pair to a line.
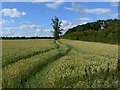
92,32
56,24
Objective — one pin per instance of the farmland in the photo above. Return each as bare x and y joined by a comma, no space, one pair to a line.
65,64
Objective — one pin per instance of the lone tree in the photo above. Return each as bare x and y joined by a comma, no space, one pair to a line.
56,24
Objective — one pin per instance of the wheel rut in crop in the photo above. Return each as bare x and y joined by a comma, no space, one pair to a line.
50,61
29,56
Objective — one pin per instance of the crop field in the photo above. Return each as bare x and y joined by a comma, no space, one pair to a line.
64,64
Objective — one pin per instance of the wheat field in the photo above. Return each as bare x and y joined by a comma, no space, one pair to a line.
64,64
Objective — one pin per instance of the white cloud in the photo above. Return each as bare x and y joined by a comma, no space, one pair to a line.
38,30
72,9
23,13
2,21
113,15
29,27
9,28
12,21
113,0
82,9
76,7
27,30
85,18
98,11
12,12
43,30
65,25
114,3
47,30
55,4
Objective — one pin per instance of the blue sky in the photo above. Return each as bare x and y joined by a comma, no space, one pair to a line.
34,18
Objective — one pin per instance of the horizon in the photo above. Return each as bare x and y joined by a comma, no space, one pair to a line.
31,19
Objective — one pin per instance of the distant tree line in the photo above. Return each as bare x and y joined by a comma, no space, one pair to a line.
27,37
94,32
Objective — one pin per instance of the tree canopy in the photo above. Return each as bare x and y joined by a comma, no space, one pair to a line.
56,24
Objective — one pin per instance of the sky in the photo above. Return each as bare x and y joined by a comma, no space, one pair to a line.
34,18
